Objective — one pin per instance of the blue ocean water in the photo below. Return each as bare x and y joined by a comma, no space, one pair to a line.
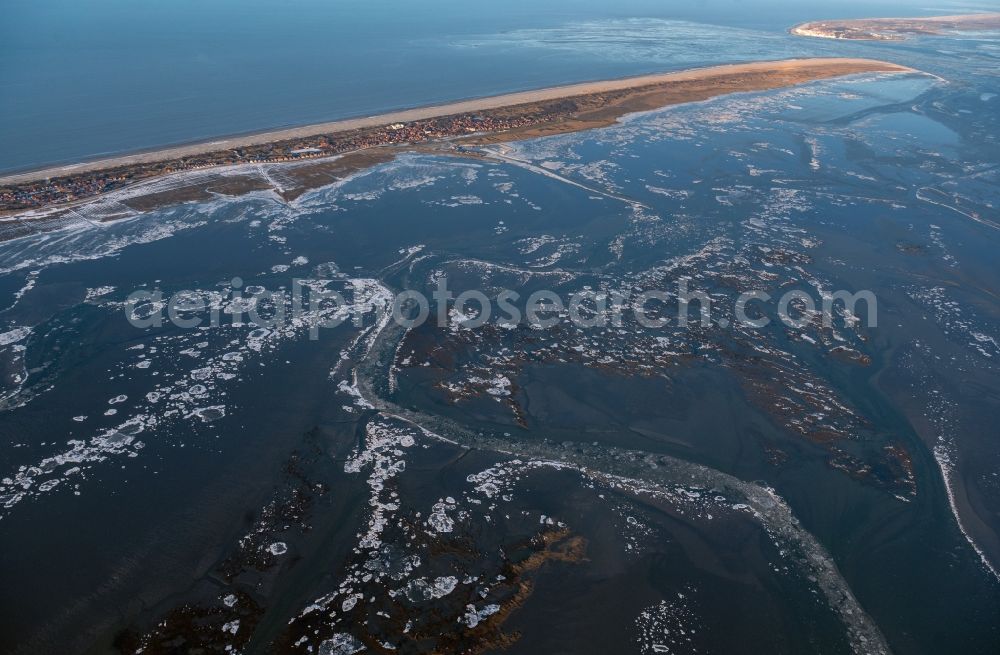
81,80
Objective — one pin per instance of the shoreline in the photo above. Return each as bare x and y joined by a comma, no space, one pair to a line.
511,116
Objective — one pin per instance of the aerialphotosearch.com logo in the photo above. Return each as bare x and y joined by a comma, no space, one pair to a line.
312,304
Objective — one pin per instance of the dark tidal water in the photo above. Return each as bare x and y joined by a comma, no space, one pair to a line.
167,488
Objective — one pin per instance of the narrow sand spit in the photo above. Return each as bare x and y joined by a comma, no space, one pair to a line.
726,79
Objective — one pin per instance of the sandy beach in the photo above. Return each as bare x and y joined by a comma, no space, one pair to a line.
785,72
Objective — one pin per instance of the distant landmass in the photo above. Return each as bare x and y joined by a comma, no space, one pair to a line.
895,29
